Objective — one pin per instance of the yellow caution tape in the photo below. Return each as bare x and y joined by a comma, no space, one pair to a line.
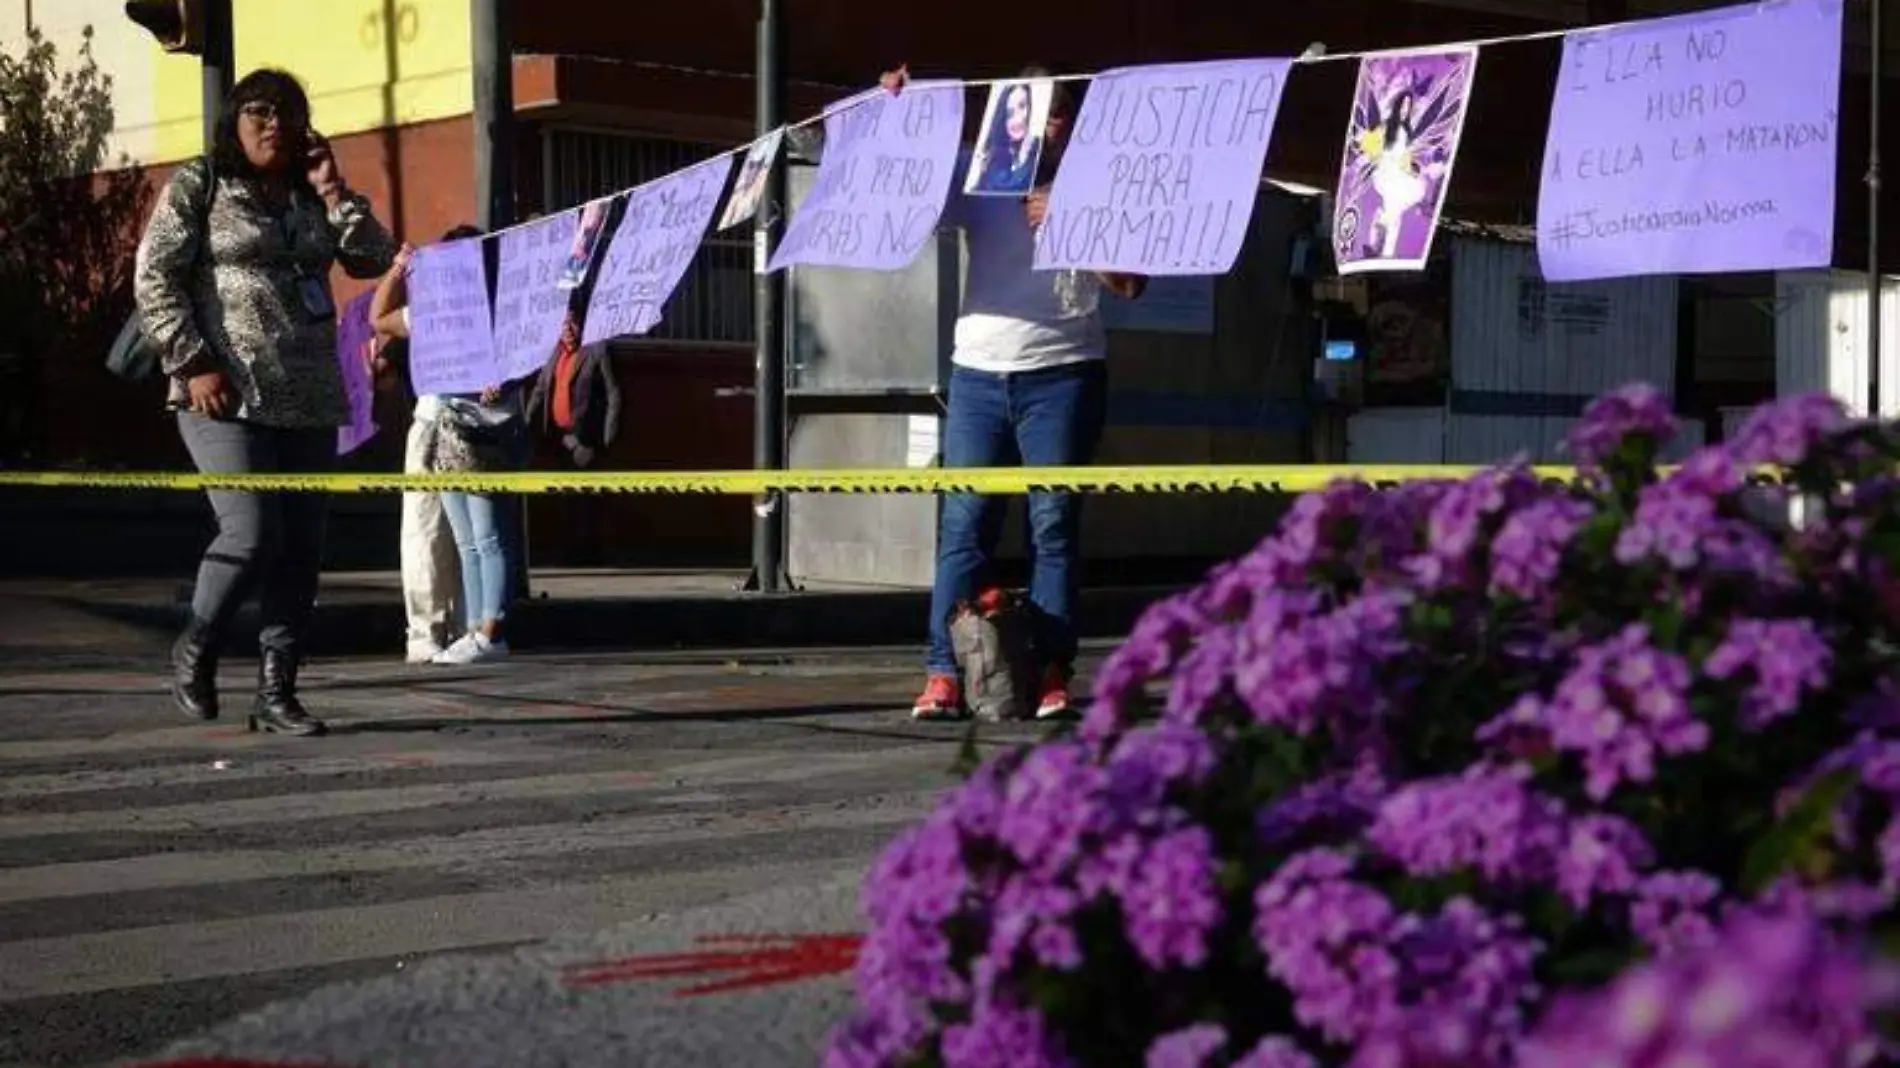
1238,478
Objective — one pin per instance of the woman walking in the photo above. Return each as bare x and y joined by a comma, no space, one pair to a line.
466,433
232,284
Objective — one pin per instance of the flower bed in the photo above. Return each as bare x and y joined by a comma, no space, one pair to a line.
1476,773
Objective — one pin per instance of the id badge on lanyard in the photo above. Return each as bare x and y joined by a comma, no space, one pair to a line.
312,290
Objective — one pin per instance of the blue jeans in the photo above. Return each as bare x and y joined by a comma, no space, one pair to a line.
1047,418
475,519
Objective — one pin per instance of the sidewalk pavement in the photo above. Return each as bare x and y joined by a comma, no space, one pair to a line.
360,614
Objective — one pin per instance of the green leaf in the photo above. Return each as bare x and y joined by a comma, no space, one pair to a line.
1798,839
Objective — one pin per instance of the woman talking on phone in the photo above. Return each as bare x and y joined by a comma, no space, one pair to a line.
233,284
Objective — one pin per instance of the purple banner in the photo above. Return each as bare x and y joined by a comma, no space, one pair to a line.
1163,168
1407,115
889,160
354,338
1698,143
651,249
530,305
451,345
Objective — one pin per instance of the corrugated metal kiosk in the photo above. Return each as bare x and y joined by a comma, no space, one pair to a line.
1201,371
1522,356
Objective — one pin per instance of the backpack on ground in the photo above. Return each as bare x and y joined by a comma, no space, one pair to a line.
995,655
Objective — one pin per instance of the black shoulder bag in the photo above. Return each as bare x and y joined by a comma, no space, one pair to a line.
134,356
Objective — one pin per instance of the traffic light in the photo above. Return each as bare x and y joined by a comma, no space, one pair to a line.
179,25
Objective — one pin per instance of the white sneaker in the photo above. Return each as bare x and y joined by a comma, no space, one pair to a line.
472,649
424,651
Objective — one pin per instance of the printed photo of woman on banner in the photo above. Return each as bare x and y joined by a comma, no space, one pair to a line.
743,203
586,239
1005,159
1407,114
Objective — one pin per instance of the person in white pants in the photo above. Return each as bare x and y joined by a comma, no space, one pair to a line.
431,570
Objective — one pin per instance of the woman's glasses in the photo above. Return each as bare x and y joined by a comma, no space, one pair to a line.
263,113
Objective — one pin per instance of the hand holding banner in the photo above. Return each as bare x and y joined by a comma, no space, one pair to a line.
658,234
451,342
530,305
889,160
1698,143
1163,168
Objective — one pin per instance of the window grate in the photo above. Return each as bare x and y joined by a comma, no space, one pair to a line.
714,301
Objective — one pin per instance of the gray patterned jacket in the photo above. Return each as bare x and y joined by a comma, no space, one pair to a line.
237,308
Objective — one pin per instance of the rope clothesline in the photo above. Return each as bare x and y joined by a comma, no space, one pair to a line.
1314,54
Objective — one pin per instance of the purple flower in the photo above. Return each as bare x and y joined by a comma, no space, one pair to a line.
875,1040
916,885
1681,523
1172,903
1784,432
1049,804
1467,961
1001,1035
1276,1051
1786,658
1459,521
1623,703
1305,672
1529,549
1487,819
1189,1047
1030,912
1325,810
1601,855
1671,911
1325,940
1769,992
1635,409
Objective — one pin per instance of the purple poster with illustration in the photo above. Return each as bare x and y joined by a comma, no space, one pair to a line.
530,305
888,163
659,232
354,337
1163,168
1698,143
1408,112
451,345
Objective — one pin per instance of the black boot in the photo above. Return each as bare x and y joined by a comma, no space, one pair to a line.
278,709
195,671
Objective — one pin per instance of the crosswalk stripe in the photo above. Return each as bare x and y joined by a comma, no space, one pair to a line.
163,871
213,815
179,953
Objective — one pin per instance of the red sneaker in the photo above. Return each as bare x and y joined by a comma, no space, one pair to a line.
942,699
1053,700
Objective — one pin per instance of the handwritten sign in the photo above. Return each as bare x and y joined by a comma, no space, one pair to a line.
888,164
1697,143
1163,168
451,347
530,305
353,339
652,246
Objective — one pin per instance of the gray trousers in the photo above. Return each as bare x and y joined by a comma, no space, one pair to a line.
270,544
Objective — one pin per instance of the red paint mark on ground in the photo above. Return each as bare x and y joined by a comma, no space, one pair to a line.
748,962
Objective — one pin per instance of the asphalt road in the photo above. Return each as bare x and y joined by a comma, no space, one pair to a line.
558,861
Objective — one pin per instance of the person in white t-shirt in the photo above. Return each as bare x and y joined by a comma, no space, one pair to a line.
1028,385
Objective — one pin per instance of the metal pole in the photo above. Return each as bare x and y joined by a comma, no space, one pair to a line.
493,59
492,56
215,64
1873,213
768,442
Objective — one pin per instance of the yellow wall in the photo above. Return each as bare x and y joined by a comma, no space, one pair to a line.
360,75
